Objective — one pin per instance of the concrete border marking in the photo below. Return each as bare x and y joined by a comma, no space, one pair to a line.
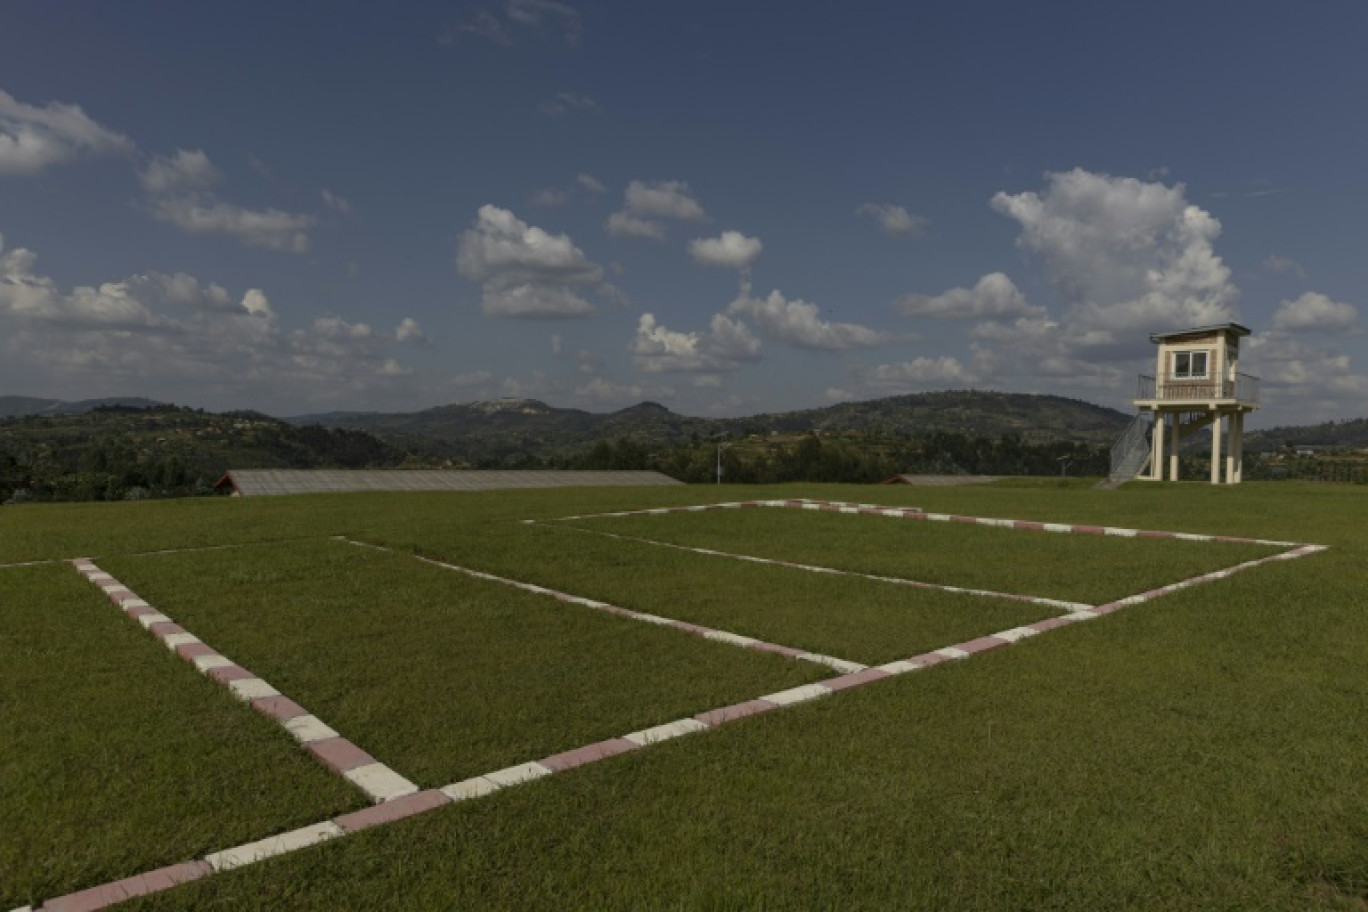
709,633
379,782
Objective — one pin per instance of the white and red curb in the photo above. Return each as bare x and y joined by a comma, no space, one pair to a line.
264,698
378,781
707,633
864,509
831,571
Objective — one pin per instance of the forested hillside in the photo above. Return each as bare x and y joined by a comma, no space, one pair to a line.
116,453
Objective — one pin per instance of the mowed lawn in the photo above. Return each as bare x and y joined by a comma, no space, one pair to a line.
1204,750
1084,568
442,676
114,758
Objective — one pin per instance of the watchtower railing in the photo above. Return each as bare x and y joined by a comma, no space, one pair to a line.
1244,388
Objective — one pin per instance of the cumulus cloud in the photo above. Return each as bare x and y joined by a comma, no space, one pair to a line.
725,346
623,224
917,374
646,202
602,389
527,272
730,250
799,323
1314,312
185,172
590,183
894,221
1125,256
173,331
993,297
1304,377
409,332
180,191
663,199
36,137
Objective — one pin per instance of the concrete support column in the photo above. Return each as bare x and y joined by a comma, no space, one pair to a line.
1231,443
1173,447
1216,450
1238,445
1157,448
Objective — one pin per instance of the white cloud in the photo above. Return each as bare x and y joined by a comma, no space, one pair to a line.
181,289
993,297
798,323
34,137
512,19
175,333
601,389
643,202
590,183
1125,256
1304,378
730,250
663,199
557,343
534,302
919,373
335,202
410,332
525,271
179,189
894,221
1314,312
550,198
1285,265
565,102
621,224
256,303
186,171
725,346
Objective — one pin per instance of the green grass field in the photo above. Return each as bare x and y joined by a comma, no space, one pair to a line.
1203,750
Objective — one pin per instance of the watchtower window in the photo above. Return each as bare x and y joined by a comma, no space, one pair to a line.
1190,365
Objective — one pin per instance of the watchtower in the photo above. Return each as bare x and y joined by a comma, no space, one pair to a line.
1196,384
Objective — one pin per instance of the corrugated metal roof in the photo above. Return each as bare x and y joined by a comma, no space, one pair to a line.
940,480
256,482
1235,328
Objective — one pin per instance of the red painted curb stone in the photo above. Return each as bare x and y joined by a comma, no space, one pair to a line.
735,711
280,708
106,895
982,644
339,754
587,754
390,811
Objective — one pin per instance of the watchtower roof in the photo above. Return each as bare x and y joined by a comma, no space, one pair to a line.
1177,335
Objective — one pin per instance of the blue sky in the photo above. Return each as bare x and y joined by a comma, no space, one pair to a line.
724,207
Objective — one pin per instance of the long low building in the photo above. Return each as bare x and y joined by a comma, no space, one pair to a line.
257,482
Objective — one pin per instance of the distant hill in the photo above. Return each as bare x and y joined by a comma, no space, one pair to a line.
482,430
19,406
1338,434
115,450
